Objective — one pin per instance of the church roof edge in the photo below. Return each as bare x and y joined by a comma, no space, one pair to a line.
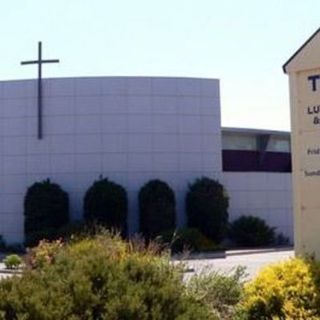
123,77
284,67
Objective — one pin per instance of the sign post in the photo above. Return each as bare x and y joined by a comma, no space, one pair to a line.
303,69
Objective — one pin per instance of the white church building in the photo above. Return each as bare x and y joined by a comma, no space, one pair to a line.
131,130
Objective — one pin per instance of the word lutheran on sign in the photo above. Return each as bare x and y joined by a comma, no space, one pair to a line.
303,69
39,62
314,111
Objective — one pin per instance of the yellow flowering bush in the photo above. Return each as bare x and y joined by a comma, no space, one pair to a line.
286,290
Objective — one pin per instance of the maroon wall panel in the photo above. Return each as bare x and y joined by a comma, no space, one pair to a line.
241,160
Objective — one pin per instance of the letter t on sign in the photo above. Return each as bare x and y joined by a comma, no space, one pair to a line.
39,62
313,80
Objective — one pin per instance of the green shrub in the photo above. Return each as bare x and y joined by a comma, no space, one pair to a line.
157,206
282,240
206,206
188,239
101,278
73,229
249,231
12,261
286,290
221,292
106,203
46,209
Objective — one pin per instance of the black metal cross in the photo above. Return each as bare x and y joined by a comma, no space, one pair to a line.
39,62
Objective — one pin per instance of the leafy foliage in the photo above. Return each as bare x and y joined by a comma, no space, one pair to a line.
157,206
252,231
188,239
286,290
206,206
220,291
46,208
106,203
101,278
43,254
73,229
12,261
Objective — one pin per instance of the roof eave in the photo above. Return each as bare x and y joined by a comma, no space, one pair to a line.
284,67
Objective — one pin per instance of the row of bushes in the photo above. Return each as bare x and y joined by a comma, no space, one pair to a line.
105,277
106,203
46,208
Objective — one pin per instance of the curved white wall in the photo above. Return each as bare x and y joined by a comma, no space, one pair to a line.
130,129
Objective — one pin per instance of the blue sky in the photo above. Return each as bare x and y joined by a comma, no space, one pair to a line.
243,43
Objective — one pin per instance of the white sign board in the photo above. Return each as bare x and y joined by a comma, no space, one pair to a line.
304,76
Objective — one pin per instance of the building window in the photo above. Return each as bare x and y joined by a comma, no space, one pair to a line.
239,142
278,144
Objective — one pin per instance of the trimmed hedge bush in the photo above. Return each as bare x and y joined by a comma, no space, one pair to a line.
286,290
206,207
249,231
106,203
46,209
103,278
157,206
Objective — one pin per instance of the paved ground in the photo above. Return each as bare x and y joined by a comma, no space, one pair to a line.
253,262
3,274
